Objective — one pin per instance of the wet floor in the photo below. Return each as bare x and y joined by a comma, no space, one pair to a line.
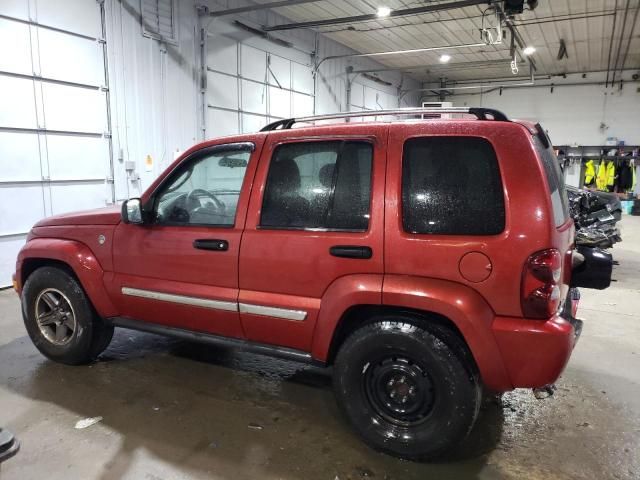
176,410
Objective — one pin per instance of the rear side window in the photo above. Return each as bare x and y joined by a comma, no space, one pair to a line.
451,186
324,185
555,180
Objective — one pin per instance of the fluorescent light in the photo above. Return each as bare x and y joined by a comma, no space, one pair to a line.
383,12
529,50
445,58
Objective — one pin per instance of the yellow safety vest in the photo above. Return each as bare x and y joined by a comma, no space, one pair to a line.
601,179
611,174
589,173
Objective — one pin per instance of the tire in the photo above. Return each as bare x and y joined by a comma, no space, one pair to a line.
60,319
440,388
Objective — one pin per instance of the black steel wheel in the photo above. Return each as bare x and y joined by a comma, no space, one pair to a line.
407,386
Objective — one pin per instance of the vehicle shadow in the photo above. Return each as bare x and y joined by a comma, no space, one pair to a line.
201,409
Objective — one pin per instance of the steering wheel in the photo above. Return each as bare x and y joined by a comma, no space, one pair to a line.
192,199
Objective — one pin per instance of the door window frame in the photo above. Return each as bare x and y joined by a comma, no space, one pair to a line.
150,205
318,139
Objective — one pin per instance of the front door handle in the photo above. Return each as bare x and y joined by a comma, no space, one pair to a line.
351,251
211,244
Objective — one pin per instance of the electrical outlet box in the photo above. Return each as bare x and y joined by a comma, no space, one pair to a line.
129,166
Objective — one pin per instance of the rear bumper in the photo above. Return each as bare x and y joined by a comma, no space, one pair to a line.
536,352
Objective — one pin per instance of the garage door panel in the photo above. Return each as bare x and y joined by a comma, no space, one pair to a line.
279,102
253,63
222,54
20,207
9,246
280,71
222,90
78,158
252,123
302,105
254,98
302,78
221,122
79,16
17,103
15,8
81,62
16,59
19,157
357,94
64,196
371,99
73,108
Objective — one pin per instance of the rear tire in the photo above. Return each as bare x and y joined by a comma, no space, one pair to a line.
60,319
409,389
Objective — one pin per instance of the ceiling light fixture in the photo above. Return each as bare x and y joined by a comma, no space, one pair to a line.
445,58
383,12
529,51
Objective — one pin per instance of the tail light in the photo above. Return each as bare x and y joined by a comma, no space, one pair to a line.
541,284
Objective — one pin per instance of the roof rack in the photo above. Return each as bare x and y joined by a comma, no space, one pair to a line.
480,113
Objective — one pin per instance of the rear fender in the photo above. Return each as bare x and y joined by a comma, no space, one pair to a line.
79,258
342,294
464,307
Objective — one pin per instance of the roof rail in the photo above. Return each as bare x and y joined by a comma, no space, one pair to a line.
480,113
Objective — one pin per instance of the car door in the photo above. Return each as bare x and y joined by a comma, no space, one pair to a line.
317,217
180,268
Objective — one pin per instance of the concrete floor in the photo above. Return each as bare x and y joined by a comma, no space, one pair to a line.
174,410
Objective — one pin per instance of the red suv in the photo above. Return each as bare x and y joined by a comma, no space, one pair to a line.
423,259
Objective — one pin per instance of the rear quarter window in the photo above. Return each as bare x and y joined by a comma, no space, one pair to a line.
451,186
555,181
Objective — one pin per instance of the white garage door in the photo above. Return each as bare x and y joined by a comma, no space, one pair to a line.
54,140
364,97
248,87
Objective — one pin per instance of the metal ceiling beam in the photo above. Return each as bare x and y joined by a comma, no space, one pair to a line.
372,16
447,66
397,52
259,6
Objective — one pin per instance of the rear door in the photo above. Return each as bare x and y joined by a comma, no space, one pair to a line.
318,216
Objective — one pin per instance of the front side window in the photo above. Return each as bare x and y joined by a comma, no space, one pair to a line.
324,185
203,191
451,186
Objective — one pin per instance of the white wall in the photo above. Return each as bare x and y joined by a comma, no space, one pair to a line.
156,103
154,94
571,114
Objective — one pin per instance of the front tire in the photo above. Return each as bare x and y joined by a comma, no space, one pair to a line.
408,390
60,319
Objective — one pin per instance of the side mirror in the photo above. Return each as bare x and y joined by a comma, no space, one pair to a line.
132,211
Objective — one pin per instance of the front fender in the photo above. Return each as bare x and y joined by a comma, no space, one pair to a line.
466,308
81,260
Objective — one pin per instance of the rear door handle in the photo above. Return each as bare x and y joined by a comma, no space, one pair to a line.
351,251
211,244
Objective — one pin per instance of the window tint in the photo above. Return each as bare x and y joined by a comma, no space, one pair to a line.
451,186
319,185
555,180
204,191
